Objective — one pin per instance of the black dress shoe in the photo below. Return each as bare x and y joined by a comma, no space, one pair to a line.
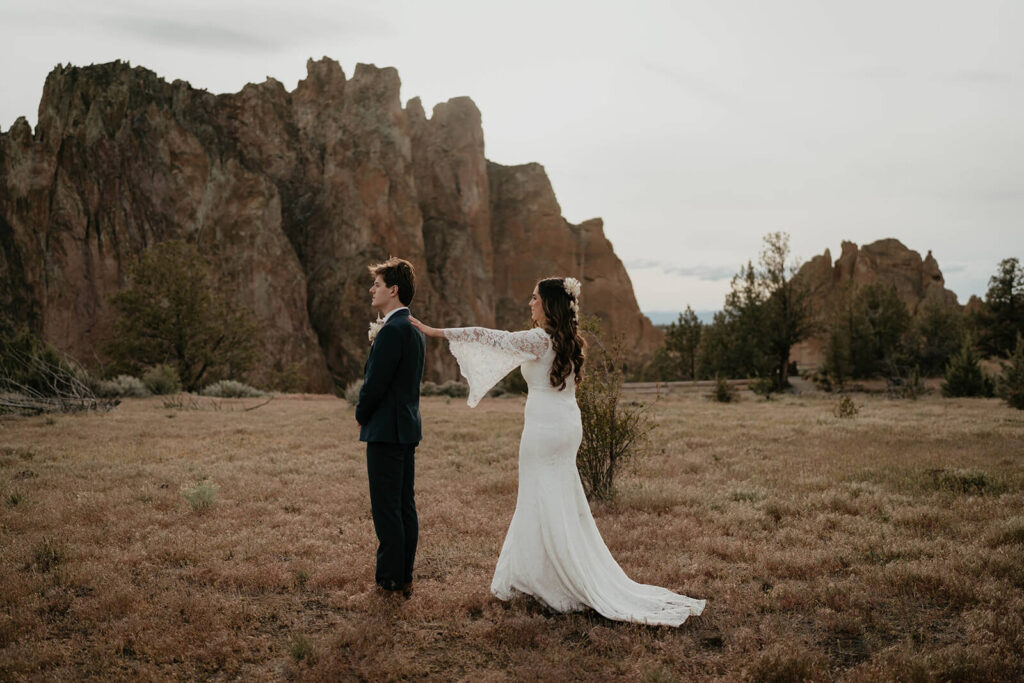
391,586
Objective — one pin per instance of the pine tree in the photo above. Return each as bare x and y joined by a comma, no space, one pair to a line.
787,309
1001,318
681,342
964,376
1011,383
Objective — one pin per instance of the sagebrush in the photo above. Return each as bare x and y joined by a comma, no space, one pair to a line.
229,388
162,379
202,496
614,433
122,386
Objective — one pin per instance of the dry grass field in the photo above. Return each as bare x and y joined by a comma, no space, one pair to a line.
889,545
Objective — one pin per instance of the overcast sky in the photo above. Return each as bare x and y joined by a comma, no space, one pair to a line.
692,128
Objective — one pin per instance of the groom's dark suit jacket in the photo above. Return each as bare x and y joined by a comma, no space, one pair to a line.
389,402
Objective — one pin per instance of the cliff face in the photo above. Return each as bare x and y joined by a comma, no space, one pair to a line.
917,282
531,241
291,195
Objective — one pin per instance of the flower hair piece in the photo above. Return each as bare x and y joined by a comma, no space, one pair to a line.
572,288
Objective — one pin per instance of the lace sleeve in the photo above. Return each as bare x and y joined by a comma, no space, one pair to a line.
485,356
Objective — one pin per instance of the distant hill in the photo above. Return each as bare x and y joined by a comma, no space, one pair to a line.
669,317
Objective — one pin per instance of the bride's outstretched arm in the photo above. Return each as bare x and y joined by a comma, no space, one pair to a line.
426,329
485,355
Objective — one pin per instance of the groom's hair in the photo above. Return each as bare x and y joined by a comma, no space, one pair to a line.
397,271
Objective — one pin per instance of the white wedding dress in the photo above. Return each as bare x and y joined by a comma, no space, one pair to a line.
553,550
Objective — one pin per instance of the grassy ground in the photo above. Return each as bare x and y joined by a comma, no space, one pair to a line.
887,545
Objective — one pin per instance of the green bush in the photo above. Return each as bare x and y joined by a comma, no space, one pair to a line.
122,386
911,386
845,407
723,392
514,384
762,386
454,389
229,388
162,380
451,389
1011,383
964,376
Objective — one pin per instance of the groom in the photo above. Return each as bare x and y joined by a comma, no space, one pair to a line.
388,413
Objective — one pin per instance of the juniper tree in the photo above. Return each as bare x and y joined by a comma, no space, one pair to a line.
964,376
1011,383
1001,317
173,312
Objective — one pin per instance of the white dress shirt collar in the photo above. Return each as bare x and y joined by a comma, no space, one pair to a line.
391,313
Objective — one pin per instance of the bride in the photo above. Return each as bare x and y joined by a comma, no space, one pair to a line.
553,550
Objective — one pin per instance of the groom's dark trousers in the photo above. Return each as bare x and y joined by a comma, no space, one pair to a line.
388,412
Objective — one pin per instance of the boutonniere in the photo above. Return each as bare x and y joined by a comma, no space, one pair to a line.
375,328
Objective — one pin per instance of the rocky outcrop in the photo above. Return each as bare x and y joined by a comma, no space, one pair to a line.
917,281
291,195
532,240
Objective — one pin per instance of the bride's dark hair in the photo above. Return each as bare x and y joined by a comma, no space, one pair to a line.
564,330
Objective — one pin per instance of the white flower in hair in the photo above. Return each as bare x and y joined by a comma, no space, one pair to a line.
572,287
375,327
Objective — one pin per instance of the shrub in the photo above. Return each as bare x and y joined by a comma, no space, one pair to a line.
723,392
185,401
964,376
964,482
823,379
613,433
30,366
911,386
352,391
201,497
845,407
454,389
229,388
514,383
762,386
49,554
36,378
122,386
301,649
162,380
451,389
1011,383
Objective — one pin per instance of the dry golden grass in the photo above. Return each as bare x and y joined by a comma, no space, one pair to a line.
889,545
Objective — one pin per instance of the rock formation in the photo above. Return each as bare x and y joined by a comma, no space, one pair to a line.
917,281
292,195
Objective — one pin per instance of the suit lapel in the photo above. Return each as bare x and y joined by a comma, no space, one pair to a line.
404,313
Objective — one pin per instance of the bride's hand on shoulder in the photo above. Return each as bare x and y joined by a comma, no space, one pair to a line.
426,329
